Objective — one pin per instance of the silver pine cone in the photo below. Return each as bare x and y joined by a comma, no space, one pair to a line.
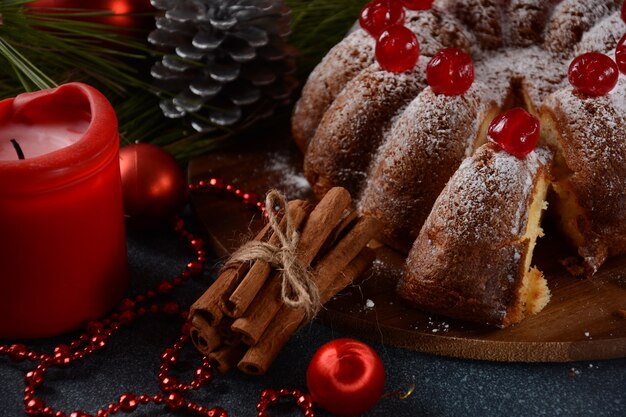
226,63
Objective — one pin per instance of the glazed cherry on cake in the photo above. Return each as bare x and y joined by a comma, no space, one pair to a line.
397,49
417,4
450,72
378,15
516,131
620,54
593,74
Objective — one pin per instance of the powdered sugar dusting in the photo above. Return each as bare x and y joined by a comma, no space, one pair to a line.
604,36
290,181
488,197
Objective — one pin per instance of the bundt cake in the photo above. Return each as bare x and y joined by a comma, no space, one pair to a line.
417,160
353,119
472,258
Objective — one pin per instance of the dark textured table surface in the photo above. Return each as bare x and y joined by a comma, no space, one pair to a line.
445,387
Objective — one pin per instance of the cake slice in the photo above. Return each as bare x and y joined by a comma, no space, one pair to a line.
589,137
472,258
426,144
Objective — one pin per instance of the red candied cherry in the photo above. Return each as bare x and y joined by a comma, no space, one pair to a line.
397,49
516,131
593,74
620,54
378,15
417,4
450,72
346,377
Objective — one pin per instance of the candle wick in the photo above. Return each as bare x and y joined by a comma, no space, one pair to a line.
18,149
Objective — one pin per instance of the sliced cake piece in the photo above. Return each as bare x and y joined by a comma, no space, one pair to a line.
426,144
472,258
589,136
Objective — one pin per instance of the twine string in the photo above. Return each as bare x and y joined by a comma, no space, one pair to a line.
297,288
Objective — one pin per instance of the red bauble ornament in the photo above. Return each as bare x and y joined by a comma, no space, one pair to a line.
620,54
153,185
593,74
417,4
397,49
378,15
119,8
346,377
516,131
450,72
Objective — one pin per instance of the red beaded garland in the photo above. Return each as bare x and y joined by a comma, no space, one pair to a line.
593,74
450,72
97,334
397,49
516,131
271,397
417,4
620,54
378,15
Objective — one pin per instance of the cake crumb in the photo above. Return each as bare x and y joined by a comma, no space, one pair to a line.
573,372
369,304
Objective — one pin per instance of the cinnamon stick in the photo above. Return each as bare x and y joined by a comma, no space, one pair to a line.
227,357
321,223
242,296
258,358
208,305
204,337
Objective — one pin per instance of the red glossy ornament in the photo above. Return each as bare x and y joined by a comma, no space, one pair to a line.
118,9
378,15
346,377
516,131
620,54
593,74
417,4
153,185
450,72
397,49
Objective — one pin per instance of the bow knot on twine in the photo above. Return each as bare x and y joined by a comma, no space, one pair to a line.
298,289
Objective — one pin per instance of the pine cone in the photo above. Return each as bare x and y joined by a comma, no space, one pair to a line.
226,63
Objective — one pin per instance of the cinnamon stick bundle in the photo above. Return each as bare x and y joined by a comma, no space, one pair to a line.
244,319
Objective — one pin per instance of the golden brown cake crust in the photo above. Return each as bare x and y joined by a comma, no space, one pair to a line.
593,144
352,129
439,132
344,62
469,258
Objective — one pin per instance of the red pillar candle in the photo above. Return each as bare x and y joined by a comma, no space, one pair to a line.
62,243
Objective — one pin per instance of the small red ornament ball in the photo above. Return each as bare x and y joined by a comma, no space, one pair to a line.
397,49
516,131
346,377
450,72
417,4
153,185
620,54
378,15
593,74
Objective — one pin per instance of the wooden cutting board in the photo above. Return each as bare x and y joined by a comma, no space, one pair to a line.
581,322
